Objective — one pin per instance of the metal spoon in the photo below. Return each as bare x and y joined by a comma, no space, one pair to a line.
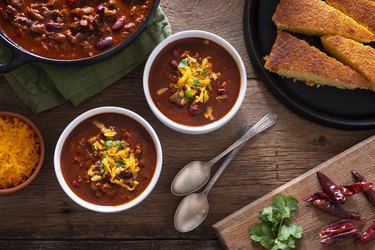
193,209
196,174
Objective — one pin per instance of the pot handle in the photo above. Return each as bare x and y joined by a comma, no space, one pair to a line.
18,58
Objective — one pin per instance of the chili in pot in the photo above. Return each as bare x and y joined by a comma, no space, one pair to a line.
71,29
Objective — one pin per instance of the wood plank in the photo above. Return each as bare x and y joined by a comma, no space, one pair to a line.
233,231
118,244
266,162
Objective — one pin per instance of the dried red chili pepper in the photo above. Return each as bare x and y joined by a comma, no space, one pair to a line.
370,194
368,235
318,195
354,233
335,209
359,187
331,188
323,194
340,227
347,190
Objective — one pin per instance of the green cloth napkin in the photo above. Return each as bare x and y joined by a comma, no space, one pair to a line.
44,86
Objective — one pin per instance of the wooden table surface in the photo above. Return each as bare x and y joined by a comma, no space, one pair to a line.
42,215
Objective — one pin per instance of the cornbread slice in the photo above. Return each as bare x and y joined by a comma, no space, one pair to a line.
356,55
295,58
363,11
315,17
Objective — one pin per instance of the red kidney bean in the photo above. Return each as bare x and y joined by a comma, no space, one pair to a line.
75,183
221,91
195,109
4,14
50,26
99,9
107,177
71,2
119,23
173,64
176,53
105,43
222,88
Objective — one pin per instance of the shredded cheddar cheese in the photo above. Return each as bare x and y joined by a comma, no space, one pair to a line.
19,152
116,157
195,79
208,113
194,83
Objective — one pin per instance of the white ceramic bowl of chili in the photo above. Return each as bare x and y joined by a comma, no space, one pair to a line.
201,129
109,208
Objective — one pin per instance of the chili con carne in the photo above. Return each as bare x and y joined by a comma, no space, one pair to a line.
110,164
71,29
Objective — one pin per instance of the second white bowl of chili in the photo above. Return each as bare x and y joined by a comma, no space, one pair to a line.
108,159
194,82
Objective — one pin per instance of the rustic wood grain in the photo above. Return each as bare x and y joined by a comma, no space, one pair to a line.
43,212
233,231
223,18
114,245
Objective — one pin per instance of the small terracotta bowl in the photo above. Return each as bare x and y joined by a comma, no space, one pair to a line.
41,157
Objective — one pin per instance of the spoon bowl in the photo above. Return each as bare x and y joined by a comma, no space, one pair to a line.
191,212
191,177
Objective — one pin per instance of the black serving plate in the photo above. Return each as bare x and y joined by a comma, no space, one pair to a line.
344,109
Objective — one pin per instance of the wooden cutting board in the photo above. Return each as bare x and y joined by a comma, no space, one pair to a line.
233,231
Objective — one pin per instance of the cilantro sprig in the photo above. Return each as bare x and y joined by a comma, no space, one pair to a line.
275,230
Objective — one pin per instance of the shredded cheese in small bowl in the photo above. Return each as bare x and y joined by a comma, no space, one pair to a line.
21,152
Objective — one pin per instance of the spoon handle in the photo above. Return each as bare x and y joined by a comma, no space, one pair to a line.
245,128
266,122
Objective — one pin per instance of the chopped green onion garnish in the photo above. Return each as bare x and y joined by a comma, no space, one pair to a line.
196,83
101,168
120,163
188,93
108,143
119,145
183,63
203,72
